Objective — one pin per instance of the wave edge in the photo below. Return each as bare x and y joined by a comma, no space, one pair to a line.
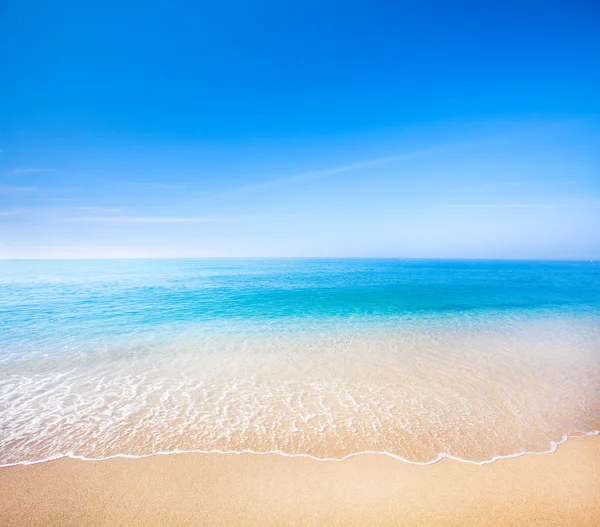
553,447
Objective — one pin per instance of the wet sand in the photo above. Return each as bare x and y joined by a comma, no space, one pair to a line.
219,489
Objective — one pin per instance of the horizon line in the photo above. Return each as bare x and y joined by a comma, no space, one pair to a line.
451,258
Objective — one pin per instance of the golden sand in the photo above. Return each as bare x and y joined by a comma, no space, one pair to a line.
562,488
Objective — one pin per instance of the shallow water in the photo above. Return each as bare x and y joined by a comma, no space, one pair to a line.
328,358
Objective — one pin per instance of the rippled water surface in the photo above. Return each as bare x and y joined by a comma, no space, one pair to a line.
474,359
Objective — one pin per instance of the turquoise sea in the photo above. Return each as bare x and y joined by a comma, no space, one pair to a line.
418,359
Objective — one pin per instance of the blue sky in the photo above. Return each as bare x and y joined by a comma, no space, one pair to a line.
393,129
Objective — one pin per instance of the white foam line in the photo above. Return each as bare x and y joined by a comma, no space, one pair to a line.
551,450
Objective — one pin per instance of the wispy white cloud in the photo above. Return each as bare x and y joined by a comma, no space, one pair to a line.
14,212
93,209
57,211
6,189
491,186
405,156
153,219
347,168
505,205
145,184
33,170
552,204
187,219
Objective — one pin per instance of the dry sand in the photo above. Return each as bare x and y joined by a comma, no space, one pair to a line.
562,488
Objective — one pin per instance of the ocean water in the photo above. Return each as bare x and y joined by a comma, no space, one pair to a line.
328,358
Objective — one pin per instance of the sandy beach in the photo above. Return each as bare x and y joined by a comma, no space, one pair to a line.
220,489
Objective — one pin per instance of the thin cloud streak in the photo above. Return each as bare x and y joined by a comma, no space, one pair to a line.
57,210
15,212
90,209
187,219
6,189
20,171
491,186
346,168
145,184
415,154
505,205
574,202
153,219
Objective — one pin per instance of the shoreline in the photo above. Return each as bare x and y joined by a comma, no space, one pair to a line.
554,446
271,489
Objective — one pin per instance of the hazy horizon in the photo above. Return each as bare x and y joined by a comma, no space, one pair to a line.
400,258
